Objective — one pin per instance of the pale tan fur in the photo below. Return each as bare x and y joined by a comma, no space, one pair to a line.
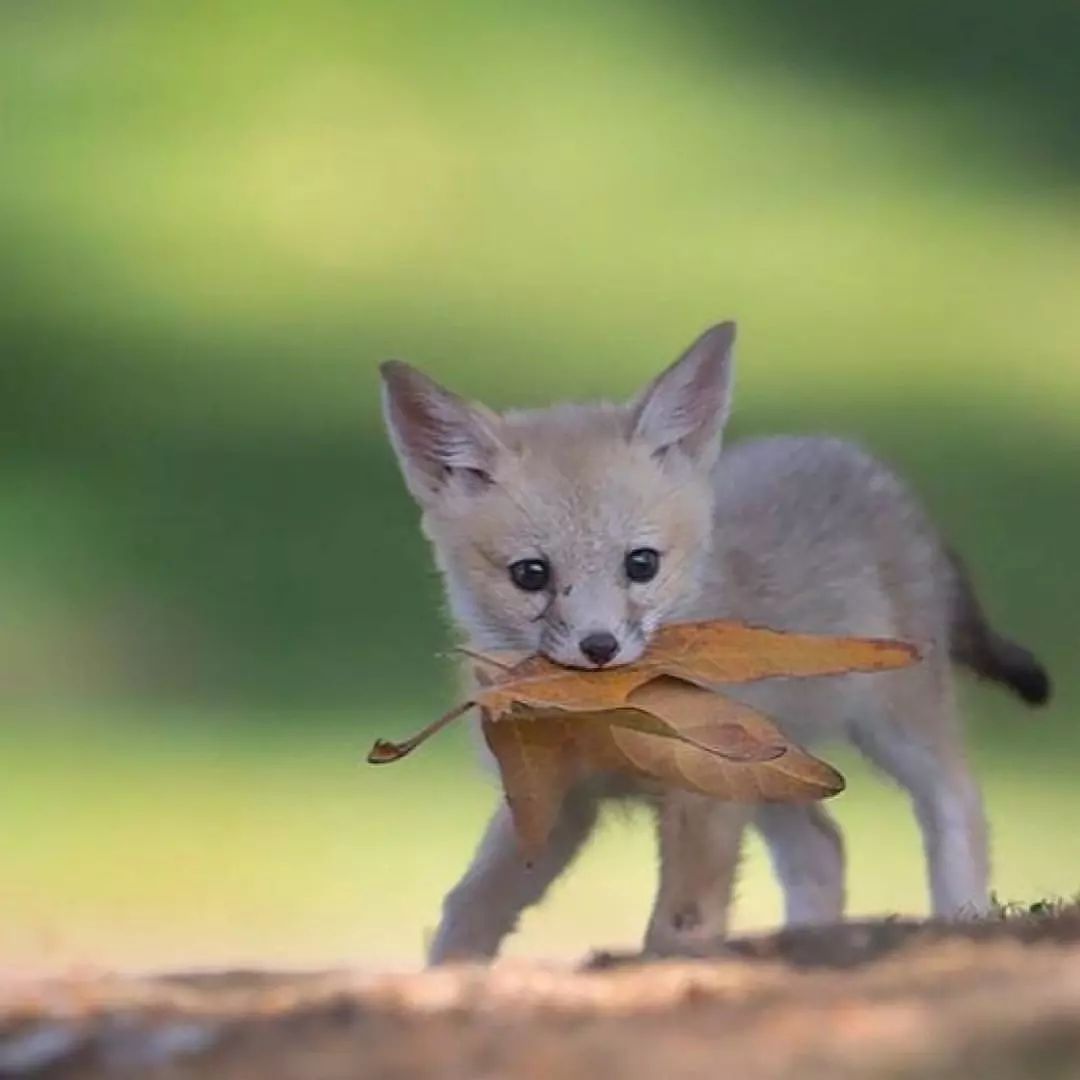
796,533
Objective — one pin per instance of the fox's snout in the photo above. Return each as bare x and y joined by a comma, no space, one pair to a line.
599,648
595,649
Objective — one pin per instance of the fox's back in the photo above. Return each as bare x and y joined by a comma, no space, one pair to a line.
815,534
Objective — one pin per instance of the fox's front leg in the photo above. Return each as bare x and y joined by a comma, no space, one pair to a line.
699,841
484,907
807,852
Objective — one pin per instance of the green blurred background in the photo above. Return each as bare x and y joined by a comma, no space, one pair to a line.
217,217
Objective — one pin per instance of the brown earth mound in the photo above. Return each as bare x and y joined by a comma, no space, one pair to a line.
994,1001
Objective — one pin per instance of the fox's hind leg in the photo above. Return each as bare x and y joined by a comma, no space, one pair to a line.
484,907
919,743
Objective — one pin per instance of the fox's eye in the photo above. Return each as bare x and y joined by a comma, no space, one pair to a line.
642,564
532,575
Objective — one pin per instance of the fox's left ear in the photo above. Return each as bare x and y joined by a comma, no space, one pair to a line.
687,405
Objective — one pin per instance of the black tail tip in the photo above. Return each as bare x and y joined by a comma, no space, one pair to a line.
1032,683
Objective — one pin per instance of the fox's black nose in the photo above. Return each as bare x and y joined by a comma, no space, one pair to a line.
599,648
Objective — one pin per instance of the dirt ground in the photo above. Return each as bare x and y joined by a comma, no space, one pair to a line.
998,1000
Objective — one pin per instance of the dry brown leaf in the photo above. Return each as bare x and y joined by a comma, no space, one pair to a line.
704,653
659,718
505,693
541,684
718,652
709,721
538,757
772,769
652,709
540,753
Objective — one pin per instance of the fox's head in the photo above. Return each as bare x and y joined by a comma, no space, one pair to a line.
573,531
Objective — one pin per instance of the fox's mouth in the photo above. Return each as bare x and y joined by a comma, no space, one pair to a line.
570,655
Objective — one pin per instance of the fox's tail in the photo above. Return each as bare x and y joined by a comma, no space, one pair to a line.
976,645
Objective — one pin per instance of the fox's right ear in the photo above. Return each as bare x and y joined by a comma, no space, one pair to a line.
439,438
687,405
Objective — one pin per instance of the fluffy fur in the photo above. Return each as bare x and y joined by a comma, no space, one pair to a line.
808,534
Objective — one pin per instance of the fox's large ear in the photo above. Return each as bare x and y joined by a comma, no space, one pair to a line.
438,437
687,405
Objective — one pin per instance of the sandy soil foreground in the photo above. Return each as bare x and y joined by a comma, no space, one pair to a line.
990,1001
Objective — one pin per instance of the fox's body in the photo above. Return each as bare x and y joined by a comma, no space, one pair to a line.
577,530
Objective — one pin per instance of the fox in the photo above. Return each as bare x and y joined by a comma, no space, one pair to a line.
576,531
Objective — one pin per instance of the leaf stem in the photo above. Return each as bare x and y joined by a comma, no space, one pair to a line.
384,751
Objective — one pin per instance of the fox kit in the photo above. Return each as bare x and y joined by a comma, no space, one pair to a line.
577,531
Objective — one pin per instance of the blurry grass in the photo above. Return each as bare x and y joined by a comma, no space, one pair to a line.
150,840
